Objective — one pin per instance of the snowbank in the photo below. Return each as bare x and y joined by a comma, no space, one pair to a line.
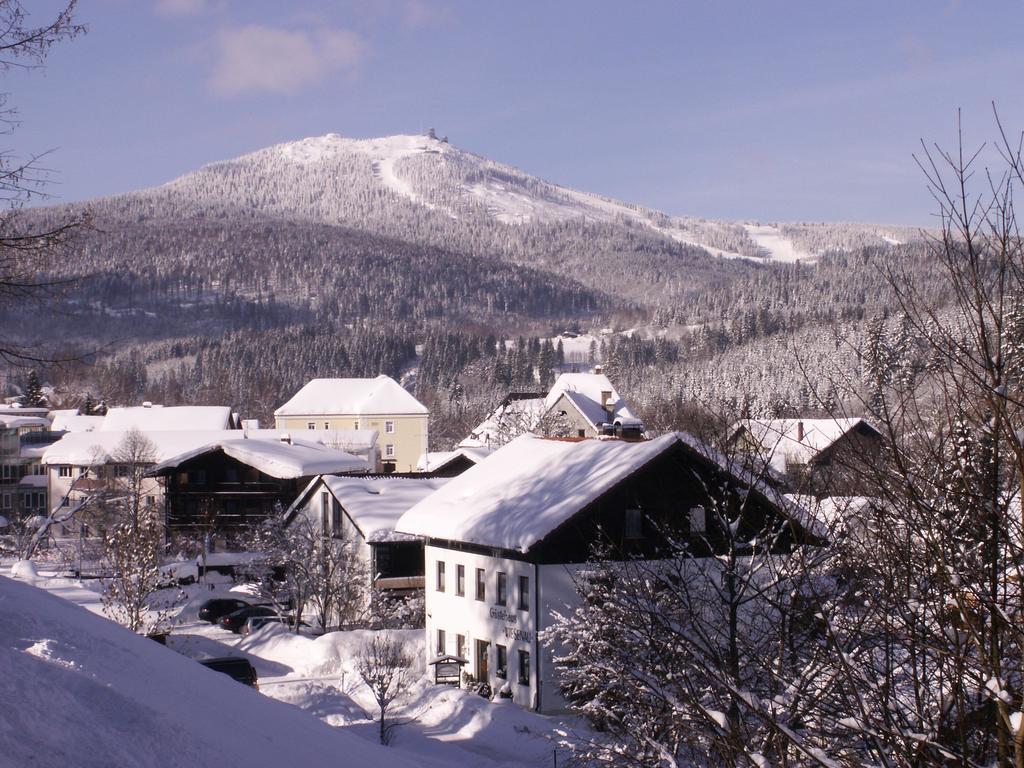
89,693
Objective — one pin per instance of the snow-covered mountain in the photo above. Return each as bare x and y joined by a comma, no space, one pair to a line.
333,179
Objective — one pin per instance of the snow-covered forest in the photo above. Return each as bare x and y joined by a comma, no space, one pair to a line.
411,257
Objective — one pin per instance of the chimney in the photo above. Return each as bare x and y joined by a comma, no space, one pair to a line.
606,401
799,431
286,438
598,369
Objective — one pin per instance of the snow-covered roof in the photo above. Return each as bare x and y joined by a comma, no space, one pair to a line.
779,441
350,440
160,418
375,504
20,422
509,420
34,481
528,488
276,458
584,391
70,420
531,486
436,460
360,397
83,448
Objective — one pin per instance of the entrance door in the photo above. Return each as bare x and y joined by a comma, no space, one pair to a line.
482,673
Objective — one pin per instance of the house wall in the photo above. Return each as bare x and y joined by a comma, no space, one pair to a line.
409,438
484,620
58,487
349,535
578,425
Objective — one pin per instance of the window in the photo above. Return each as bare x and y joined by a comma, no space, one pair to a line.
64,471
311,425
698,520
524,667
122,470
581,433
327,425
460,646
440,642
6,501
337,520
324,510
440,575
389,451
501,666
501,596
389,427
460,580
634,524
355,424
481,584
524,593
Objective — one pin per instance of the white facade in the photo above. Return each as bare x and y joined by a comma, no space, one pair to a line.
485,625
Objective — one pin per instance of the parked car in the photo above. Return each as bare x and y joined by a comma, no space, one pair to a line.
213,610
234,621
234,666
178,574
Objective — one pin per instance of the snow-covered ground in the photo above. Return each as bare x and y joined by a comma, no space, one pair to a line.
81,691
780,248
440,725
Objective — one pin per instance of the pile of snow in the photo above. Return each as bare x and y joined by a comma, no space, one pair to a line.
86,692
24,570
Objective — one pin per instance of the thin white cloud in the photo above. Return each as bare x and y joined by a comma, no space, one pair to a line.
255,58
181,7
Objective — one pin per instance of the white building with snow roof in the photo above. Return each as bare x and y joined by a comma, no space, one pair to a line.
578,405
363,511
379,403
505,539
827,454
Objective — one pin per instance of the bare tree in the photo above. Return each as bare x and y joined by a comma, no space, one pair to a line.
26,247
320,573
384,664
133,536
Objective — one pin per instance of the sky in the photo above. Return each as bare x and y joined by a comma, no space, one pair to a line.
760,110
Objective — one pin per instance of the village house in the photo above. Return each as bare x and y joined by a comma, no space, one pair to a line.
82,463
363,511
23,486
379,404
823,456
578,405
224,486
505,539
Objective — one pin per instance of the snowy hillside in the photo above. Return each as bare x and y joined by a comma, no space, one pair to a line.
440,177
82,691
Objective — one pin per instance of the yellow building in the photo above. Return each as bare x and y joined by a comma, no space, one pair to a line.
381,404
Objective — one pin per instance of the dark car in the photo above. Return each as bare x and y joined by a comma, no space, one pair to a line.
212,610
234,666
234,621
